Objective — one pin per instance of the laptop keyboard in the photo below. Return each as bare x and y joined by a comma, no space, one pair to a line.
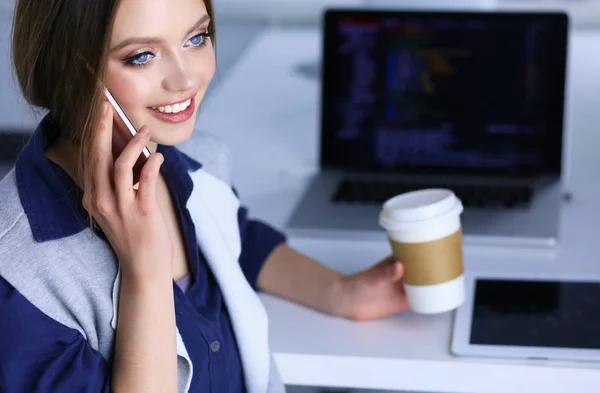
377,192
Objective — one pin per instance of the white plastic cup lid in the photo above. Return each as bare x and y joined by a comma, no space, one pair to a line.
417,206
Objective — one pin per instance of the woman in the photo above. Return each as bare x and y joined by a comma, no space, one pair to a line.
110,286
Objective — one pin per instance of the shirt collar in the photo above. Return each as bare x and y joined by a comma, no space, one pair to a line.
53,202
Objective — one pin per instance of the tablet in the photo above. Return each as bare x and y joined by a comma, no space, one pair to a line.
529,316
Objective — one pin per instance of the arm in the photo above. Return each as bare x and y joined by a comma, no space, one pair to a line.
294,276
132,220
146,336
373,293
272,266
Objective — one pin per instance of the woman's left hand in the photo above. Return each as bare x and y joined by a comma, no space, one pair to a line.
374,293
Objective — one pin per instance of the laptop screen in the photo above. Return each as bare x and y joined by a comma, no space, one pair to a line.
436,92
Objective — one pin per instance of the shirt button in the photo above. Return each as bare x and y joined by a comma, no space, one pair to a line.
215,346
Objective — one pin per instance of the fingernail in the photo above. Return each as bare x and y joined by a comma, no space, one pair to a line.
397,266
144,130
104,109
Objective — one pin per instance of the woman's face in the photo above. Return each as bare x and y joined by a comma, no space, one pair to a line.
160,64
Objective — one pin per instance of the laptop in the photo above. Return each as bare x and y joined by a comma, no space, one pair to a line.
470,101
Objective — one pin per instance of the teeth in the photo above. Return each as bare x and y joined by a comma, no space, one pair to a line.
175,108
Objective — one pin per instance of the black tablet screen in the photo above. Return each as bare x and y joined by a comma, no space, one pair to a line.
536,314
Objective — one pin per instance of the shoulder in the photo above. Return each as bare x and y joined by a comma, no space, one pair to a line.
212,153
70,280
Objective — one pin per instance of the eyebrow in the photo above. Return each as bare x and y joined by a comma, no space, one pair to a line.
155,40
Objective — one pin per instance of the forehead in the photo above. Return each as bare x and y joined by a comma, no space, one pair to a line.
156,18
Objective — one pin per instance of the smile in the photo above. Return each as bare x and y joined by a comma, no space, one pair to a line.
175,108
175,112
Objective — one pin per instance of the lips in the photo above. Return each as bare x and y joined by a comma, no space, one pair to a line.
175,108
174,113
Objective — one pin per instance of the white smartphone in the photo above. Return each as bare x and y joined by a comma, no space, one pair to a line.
123,131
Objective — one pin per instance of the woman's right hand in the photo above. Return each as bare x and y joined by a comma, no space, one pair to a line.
131,219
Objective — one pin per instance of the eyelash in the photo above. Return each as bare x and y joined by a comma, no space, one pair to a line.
131,61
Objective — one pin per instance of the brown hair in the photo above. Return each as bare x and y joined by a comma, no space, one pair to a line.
59,54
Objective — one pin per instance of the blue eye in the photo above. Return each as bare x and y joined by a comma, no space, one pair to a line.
201,39
198,39
140,59
143,59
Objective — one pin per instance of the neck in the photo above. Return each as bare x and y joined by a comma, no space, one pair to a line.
63,154
152,146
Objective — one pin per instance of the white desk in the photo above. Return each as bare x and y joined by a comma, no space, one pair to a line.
268,115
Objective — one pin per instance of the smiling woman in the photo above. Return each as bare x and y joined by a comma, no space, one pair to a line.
103,313
111,286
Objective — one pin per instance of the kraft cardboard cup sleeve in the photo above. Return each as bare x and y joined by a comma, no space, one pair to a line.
425,234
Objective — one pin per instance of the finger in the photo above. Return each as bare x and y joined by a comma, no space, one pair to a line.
126,161
101,160
148,178
396,271
404,303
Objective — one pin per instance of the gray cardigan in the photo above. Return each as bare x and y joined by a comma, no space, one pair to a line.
80,290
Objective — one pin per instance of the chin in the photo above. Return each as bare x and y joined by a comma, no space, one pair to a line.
170,135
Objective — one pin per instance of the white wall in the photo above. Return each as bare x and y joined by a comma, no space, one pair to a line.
15,113
7,4
584,13
279,11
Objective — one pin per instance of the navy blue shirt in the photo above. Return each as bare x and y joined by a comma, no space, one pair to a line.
53,352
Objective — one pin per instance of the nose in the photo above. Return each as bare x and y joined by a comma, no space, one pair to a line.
179,77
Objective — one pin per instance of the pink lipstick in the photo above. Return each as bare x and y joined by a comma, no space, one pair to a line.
177,112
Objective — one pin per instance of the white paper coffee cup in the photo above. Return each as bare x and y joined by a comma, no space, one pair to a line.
425,233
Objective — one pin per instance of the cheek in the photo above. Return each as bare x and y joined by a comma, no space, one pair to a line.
130,90
204,67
